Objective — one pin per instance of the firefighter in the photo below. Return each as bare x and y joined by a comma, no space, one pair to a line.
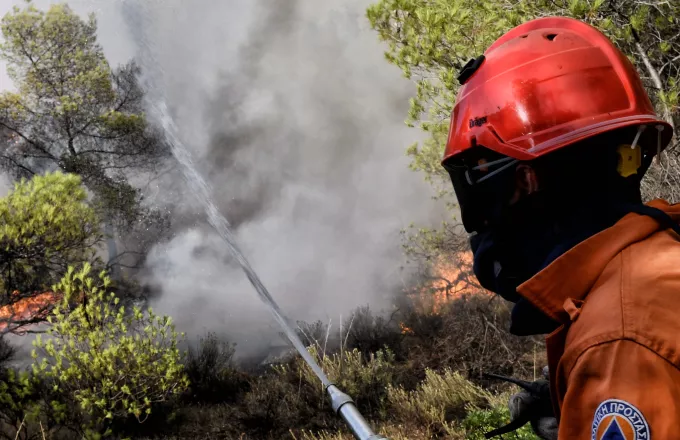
550,137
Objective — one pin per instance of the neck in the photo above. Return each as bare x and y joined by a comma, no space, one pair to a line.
546,246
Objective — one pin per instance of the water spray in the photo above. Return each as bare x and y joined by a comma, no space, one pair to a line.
342,404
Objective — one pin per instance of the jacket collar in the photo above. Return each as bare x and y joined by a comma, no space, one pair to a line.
573,274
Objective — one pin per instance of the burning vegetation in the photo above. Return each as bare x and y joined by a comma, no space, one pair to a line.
24,312
450,277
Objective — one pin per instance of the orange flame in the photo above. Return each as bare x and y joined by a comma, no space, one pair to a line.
405,329
24,312
450,277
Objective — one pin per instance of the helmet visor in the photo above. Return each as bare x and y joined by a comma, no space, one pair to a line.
484,183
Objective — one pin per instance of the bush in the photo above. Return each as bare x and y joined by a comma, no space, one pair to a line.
319,335
417,396
469,335
438,402
201,422
274,406
369,333
31,409
7,352
391,431
291,398
363,330
478,422
111,363
365,379
17,403
445,406
212,375
45,225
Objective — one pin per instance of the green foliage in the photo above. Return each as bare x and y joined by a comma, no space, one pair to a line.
112,363
364,378
287,401
45,225
40,46
430,40
444,406
478,422
71,110
428,245
438,402
17,398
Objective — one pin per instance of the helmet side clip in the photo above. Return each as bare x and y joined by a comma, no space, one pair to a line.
469,69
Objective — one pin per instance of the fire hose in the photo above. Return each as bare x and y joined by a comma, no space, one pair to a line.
341,403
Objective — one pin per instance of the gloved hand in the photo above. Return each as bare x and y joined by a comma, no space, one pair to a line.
531,405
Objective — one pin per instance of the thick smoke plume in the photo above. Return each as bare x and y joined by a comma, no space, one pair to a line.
296,120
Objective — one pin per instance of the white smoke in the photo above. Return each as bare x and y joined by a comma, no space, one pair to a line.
296,120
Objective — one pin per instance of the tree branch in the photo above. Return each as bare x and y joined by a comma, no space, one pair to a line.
655,77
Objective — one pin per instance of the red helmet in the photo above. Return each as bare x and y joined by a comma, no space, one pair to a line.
547,84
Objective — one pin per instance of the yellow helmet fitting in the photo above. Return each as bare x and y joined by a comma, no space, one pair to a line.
630,159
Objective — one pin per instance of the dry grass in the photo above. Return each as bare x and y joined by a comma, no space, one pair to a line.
439,402
469,335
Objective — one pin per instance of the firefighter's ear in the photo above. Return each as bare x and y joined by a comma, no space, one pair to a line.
526,180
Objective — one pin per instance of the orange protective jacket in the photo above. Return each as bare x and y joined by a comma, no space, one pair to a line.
615,360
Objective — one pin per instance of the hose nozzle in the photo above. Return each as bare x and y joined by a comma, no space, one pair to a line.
343,405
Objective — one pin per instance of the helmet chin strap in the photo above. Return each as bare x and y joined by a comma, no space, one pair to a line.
637,136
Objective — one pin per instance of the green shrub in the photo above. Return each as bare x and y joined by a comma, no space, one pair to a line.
45,225
290,399
478,422
18,403
274,406
212,375
111,363
438,403
366,380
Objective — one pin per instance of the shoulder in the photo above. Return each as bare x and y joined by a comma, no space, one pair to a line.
624,381
637,297
650,294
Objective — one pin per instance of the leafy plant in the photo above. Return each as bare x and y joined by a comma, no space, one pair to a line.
211,372
111,362
438,402
478,422
45,225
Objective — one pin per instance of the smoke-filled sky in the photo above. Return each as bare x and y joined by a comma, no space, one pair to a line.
296,120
